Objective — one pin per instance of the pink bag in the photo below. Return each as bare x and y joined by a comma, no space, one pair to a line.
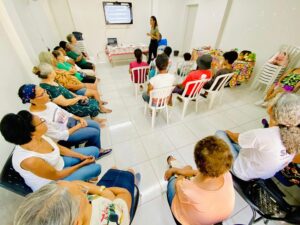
280,59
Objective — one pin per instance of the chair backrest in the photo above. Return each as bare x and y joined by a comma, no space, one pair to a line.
220,82
11,179
159,97
194,88
139,74
293,53
269,73
184,68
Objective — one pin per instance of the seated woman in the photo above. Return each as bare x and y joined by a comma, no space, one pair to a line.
38,159
206,195
229,58
81,203
261,153
202,72
69,81
77,47
75,104
138,63
63,126
289,82
63,65
78,57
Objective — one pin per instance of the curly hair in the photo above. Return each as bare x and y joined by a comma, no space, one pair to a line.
212,156
286,112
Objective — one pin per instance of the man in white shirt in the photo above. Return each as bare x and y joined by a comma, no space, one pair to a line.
161,80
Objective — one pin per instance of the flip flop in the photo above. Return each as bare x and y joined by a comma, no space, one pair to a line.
103,153
168,161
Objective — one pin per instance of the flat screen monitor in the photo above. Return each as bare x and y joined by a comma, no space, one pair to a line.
118,12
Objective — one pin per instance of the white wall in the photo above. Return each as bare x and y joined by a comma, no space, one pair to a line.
262,26
208,21
62,16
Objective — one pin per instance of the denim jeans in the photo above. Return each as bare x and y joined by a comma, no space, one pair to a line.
119,178
171,189
146,97
90,134
84,173
234,148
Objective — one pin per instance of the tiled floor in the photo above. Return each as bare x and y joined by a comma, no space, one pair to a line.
135,144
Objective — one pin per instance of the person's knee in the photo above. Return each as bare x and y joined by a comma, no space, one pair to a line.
93,151
95,170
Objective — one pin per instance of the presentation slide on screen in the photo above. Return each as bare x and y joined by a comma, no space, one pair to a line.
118,14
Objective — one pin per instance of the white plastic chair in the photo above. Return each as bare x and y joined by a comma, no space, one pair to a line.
184,68
195,94
218,87
159,100
141,75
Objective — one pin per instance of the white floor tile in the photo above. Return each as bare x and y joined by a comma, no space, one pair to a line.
179,135
129,153
149,187
156,144
122,131
156,212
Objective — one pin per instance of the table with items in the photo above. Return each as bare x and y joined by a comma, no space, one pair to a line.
121,53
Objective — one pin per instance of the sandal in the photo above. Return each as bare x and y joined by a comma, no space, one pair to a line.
104,152
169,161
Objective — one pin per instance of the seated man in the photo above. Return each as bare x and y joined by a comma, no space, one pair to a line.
78,202
261,153
202,72
229,58
205,195
162,79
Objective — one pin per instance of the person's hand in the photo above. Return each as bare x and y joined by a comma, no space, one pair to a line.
87,160
80,97
82,122
73,70
169,173
148,34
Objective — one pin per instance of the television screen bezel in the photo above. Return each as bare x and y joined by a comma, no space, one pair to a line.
117,3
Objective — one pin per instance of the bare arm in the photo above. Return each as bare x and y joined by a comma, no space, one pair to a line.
41,168
233,136
62,101
150,88
186,172
67,152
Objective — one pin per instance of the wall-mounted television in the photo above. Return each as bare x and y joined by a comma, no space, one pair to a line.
118,13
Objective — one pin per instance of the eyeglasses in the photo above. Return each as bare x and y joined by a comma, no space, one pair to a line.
41,122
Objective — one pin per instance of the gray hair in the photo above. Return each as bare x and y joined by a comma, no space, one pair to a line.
46,57
43,70
286,112
50,205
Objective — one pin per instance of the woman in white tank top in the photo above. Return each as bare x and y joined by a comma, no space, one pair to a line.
38,159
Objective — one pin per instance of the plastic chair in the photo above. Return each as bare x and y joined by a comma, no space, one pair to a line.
218,87
141,74
159,100
184,68
287,213
196,87
12,181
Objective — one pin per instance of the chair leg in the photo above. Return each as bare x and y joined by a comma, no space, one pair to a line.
253,217
145,108
185,104
212,99
167,114
136,90
153,117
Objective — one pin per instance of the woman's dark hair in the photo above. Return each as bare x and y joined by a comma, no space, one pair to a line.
63,44
244,52
187,56
162,61
155,21
168,51
230,56
17,128
56,53
138,55
56,48
213,156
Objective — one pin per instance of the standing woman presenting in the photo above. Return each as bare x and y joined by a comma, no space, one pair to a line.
154,35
